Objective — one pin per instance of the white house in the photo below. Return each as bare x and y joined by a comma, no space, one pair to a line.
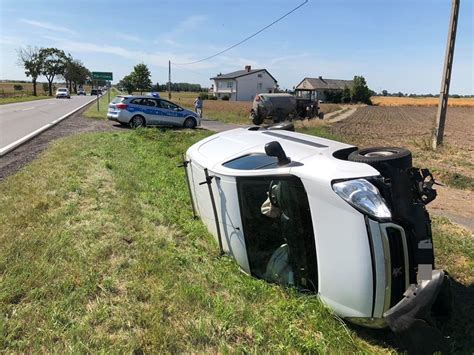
243,85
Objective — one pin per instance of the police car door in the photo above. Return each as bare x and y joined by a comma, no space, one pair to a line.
171,114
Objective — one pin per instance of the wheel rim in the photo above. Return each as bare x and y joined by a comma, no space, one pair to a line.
380,153
189,123
137,122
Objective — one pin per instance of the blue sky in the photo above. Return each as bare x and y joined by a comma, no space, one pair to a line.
397,45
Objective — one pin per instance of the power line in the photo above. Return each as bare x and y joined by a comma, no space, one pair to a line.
247,38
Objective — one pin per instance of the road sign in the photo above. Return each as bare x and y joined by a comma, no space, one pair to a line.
98,75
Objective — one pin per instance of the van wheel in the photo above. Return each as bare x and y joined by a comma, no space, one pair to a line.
137,121
189,123
395,157
255,119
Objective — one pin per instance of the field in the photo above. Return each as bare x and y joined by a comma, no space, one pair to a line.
420,101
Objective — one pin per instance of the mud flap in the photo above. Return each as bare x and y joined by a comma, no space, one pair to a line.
411,319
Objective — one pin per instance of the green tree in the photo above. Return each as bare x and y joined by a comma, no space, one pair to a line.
54,62
346,95
360,91
384,92
141,77
31,60
127,84
75,73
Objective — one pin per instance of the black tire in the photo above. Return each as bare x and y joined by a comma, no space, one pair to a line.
137,121
377,156
189,123
255,119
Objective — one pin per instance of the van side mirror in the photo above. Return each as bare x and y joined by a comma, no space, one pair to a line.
274,149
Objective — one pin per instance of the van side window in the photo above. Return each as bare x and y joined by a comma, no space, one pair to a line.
278,230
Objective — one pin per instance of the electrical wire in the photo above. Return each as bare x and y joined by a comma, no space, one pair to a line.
247,38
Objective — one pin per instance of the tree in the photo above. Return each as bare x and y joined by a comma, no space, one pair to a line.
127,84
360,91
31,60
141,77
384,92
54,62
75,73
346,95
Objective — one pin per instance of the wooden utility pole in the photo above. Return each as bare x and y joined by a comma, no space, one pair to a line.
445,81
169,79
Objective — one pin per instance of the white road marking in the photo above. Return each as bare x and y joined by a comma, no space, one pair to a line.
27,109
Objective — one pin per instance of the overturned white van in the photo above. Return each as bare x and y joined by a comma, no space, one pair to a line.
324,217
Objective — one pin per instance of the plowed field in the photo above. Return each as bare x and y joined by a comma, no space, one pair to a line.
407,126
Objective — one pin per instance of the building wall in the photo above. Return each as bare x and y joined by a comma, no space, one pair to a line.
249,86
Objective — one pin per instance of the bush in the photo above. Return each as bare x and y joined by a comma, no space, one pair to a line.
204,96
18,87
225,98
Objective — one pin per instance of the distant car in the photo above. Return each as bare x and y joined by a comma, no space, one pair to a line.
100,91
81,92
94,92
141,111
63,93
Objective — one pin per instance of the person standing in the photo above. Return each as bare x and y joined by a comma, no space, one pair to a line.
198,106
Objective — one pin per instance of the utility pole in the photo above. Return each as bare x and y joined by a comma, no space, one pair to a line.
446,79
169,79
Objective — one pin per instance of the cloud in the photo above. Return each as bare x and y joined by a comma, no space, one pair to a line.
185,26
49,26
129,37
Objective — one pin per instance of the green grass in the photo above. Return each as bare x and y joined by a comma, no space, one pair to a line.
11,100
99,252
316,128
101,114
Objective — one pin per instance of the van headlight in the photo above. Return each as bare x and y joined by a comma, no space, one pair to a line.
364,196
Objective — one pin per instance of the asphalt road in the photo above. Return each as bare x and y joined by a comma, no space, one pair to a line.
20,119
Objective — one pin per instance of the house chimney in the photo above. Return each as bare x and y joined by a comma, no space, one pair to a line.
320,77
248,68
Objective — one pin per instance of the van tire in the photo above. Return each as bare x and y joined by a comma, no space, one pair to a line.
189,123
377,156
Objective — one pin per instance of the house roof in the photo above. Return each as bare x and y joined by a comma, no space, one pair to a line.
323,83
239,73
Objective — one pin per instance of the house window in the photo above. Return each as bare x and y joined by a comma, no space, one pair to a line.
230,84
259,75
259,86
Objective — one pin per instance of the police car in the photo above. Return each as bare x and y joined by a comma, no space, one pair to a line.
150,110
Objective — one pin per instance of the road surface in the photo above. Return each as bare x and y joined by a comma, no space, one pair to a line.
20,119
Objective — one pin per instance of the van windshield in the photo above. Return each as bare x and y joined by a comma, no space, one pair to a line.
278,230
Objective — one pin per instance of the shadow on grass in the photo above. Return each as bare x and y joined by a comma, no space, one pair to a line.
458,330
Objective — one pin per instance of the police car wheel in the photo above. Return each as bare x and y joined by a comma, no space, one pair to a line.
189,123
137,121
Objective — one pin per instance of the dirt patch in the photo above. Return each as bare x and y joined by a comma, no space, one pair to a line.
15,160
407,125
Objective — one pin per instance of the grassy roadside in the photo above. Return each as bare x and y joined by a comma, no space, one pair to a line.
92,112
12,100
100,252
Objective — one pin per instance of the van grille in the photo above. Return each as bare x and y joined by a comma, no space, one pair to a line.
398,267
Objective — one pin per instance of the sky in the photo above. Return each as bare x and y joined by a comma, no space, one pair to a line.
397,45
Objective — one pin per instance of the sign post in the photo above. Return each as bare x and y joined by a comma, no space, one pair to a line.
99,75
